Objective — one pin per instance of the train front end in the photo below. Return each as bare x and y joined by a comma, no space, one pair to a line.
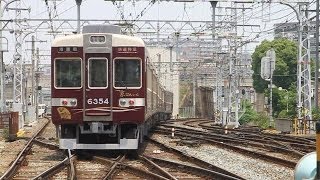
98,90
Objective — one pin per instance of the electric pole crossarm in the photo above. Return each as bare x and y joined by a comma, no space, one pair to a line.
141,25
235,1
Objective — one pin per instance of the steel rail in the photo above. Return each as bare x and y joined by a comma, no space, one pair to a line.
48,145
158,167
284,162
112,169
292,139
260,137
21,157
72,170
195,160
239,140
198,170
131,168
51,171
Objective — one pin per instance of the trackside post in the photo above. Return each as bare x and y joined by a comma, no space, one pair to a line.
318,148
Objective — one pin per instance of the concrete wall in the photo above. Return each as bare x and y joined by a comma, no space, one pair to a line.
260,102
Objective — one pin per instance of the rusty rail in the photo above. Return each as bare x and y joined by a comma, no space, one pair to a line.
50,172
158,167
22,155
130,168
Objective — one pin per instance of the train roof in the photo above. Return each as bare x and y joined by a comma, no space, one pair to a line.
117,40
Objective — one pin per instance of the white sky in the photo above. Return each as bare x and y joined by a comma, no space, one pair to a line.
264,15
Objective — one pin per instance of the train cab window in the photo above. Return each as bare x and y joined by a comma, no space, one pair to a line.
127,73
98,73
68,73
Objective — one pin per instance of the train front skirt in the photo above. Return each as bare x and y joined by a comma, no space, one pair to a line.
124,144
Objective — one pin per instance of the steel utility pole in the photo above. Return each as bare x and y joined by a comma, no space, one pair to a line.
37,75
33,59
2,102
18,96
304,108
316,90
218,91
272,66
78,15
32,69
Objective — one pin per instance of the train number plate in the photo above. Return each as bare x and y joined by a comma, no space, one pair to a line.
98,101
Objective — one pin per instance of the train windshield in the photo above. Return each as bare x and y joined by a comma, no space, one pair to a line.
127,73
68,73
98,73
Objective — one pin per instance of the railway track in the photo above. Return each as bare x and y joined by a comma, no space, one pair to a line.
169,155
147,166
44,160
298,145
35,157
280,150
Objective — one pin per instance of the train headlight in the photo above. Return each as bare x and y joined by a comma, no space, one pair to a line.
73,102
131,102
64,102
123,102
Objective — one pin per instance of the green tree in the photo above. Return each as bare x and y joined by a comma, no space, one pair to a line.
284,75
286,64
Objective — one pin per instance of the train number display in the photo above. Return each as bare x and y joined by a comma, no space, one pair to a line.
98,101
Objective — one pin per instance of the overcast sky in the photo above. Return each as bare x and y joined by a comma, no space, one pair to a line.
264,15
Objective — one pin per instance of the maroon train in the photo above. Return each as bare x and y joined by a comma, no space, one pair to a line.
105,93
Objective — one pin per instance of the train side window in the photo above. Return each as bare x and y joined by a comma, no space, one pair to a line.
68,73
98,73
127,73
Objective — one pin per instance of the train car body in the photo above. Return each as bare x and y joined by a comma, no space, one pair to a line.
105,94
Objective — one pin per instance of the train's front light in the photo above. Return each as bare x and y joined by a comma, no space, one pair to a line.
131,102
64,102
73,102
69,102
123,102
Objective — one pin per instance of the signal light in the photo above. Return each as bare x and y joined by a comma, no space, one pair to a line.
64,102
243,92
131,102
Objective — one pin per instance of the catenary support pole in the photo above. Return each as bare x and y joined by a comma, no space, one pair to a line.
316,90
318,148
78,15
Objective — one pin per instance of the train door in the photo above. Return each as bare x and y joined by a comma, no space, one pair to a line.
97,82
97,91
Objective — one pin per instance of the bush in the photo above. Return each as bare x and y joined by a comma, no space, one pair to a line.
315,114
5,134
283,114
262,120
249,115
253,117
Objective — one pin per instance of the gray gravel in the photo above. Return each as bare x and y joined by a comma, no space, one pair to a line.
244,166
